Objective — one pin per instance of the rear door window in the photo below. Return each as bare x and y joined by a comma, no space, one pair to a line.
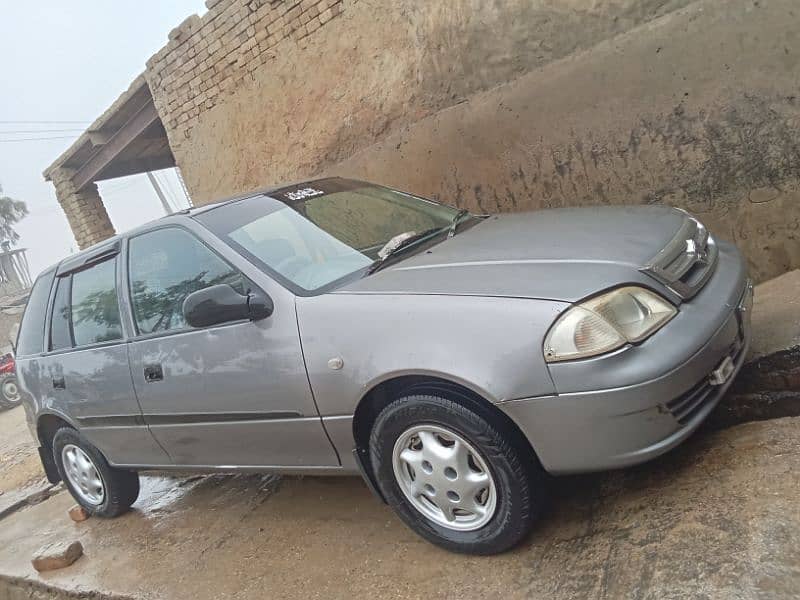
95,309
31,330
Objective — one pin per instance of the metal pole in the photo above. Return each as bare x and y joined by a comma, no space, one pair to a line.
183,186
159,193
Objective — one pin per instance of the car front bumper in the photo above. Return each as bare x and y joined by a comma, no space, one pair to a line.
671,383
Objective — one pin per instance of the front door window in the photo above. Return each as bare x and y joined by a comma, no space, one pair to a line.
166,265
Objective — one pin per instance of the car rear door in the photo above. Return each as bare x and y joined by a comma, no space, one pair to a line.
232,395
84,371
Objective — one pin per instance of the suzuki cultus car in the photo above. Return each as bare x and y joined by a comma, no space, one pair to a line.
340,327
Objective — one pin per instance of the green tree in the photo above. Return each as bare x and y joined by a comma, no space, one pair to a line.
11,211
160,310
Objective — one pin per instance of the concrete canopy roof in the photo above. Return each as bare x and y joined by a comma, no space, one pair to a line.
127,138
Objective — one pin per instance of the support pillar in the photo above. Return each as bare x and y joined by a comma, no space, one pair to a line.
84,209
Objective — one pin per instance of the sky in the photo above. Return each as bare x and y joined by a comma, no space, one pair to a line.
65,62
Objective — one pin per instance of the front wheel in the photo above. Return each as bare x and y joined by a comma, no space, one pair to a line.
97,486
9,391
453,477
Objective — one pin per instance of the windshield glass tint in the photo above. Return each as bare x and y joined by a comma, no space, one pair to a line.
314,234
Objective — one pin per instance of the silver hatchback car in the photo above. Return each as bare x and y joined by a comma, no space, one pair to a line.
341,327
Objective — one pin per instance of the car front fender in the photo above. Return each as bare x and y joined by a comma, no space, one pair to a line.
492,346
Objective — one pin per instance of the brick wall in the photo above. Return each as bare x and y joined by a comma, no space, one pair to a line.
209,56
84,209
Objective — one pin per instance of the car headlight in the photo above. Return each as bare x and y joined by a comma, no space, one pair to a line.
606,322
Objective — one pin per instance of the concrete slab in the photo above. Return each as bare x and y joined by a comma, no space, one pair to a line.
36,492
768,385
776,316
717,518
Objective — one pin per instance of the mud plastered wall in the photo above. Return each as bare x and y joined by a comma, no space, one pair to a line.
500,106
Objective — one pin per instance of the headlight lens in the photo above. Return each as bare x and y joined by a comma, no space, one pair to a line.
606,322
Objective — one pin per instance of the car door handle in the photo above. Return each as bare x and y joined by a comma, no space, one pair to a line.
59,383
153,373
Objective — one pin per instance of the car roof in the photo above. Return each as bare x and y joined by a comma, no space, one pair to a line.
111,245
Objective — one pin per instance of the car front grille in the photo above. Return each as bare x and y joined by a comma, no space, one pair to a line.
685,407
687,261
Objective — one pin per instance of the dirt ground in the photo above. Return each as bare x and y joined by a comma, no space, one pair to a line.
716,518
19,461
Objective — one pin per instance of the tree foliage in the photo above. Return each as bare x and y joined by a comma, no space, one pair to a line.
162,309
11,212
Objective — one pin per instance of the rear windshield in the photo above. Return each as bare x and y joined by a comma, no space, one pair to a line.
31,330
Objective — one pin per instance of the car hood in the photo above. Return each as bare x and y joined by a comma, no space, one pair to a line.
559,254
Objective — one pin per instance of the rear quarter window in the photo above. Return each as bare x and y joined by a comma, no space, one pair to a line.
31,330
61,319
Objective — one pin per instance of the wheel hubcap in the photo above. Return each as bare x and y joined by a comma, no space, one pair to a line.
83,475
10,391
444,477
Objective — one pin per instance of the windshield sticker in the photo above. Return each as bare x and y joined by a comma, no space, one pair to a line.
303,193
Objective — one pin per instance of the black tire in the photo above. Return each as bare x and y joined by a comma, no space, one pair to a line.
8,400
520,481
121,487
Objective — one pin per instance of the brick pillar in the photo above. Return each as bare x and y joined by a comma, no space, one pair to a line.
84,209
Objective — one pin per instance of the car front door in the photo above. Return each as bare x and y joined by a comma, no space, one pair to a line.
230,395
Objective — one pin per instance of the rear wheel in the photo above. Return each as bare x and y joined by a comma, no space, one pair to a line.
453,476
97,486
9,391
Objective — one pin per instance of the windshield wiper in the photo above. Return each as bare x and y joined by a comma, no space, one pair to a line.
401,246
460,215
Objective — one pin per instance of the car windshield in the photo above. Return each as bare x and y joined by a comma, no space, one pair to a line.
313,235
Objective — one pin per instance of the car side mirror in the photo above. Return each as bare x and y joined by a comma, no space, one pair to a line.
222,304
